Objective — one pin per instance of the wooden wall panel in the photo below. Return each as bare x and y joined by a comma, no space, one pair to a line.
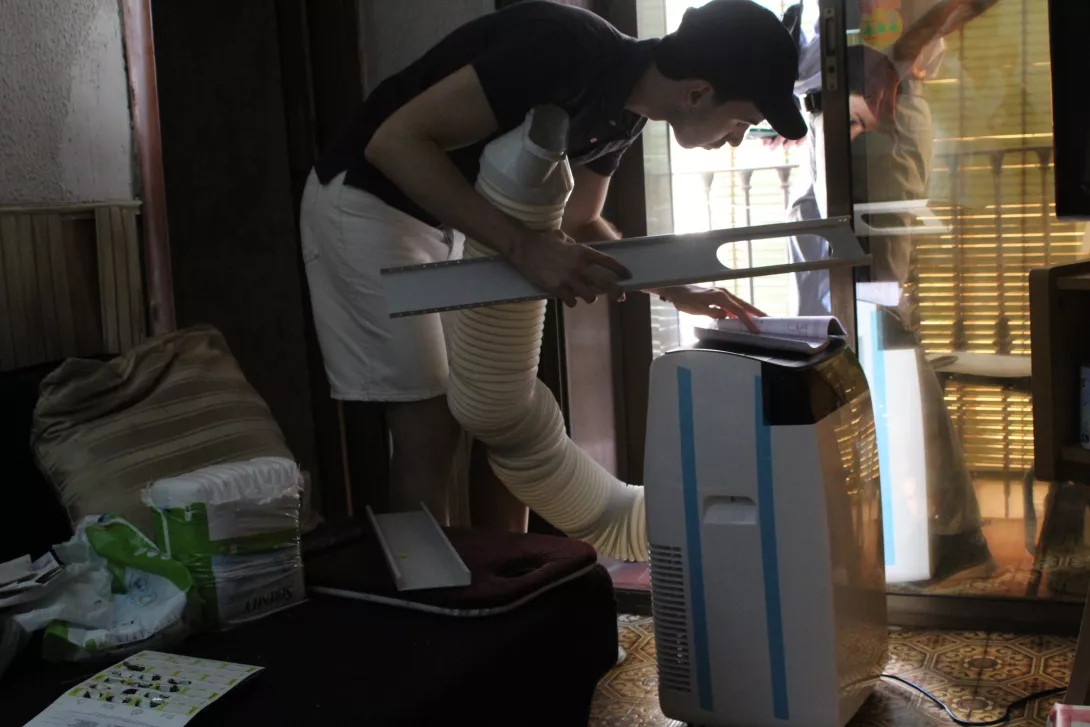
7,324
107,286
15,295
47,295
71,282
62,290
121,289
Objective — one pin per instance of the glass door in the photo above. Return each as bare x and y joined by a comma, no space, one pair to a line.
935,137
949,117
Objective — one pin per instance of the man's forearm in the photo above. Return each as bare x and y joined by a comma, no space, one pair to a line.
597,230
600,230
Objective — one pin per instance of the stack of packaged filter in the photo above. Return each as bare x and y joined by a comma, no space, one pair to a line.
236,528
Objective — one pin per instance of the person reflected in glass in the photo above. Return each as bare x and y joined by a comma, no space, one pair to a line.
891,147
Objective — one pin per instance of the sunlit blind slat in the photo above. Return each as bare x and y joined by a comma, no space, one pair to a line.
992,116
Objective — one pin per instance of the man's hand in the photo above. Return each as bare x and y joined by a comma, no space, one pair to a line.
712,302
778,142
563,268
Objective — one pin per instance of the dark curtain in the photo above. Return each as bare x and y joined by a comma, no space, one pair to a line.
248,92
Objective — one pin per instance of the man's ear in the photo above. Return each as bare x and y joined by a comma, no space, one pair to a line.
697,92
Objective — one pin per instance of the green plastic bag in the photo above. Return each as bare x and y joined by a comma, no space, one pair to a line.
148,591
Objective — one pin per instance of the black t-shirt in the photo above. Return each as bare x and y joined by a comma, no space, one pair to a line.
530,54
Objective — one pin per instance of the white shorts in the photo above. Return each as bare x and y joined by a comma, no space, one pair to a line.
348,236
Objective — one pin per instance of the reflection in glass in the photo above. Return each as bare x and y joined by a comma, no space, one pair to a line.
951,175
951,179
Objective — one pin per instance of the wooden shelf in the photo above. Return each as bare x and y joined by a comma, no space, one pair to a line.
1074,282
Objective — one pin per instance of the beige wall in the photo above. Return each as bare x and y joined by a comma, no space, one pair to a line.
64,104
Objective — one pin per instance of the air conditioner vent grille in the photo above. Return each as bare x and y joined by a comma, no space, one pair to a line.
670,608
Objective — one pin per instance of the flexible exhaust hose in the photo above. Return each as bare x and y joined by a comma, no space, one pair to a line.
493,389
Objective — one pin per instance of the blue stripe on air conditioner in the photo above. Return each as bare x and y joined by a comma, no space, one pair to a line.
693,554
881,433
770,559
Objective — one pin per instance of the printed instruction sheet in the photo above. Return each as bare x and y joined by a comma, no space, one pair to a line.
149,689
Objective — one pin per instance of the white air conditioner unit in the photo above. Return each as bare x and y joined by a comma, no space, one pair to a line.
764,517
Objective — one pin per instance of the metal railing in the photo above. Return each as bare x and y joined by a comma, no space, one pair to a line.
664,320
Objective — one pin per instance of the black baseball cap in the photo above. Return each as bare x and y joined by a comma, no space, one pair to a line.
743,50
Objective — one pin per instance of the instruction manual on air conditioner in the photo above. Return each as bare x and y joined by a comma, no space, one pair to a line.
799,334
149,689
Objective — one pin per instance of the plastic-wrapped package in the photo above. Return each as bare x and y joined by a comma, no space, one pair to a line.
236,528
115,589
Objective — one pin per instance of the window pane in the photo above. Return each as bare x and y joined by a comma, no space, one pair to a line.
695,190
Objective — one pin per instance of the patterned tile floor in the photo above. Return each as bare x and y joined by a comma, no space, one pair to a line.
977,673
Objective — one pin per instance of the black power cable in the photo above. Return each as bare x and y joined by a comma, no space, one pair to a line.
965,723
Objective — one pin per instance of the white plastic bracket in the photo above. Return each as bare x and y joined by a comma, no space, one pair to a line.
655,262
